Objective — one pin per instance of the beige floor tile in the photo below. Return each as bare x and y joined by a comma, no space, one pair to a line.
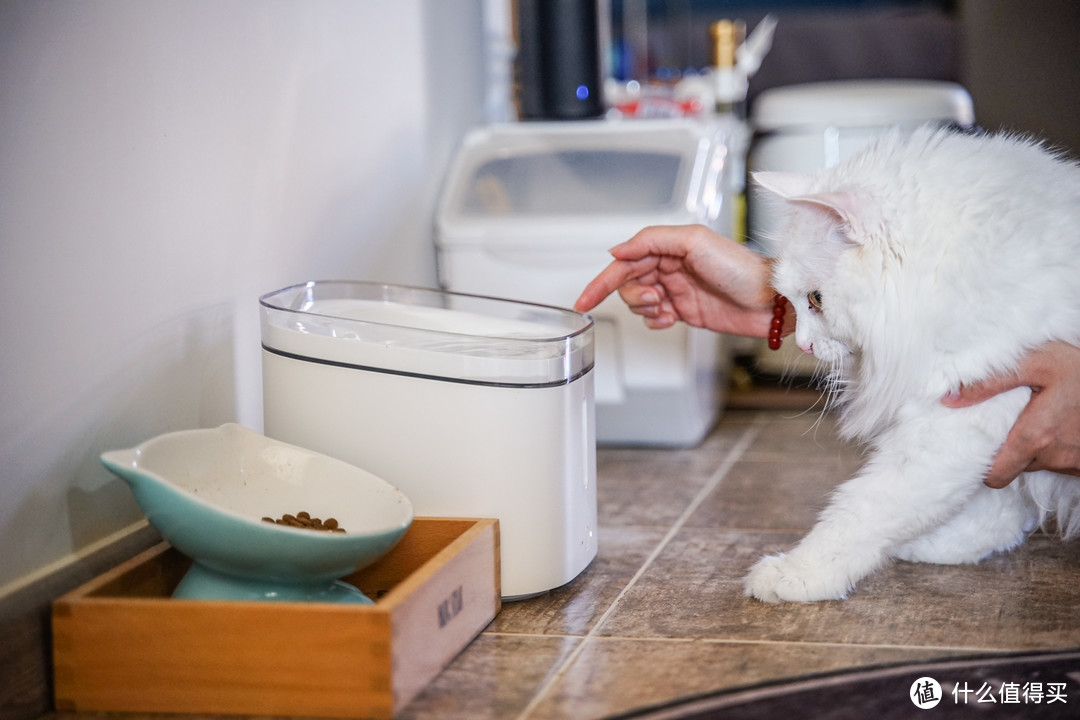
810,437
642,488
653,486
1029,598
773,493
575,607
615,675
493,678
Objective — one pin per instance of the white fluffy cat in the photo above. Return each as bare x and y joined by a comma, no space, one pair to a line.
919,265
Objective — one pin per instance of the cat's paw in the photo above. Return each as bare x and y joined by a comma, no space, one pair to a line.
777,578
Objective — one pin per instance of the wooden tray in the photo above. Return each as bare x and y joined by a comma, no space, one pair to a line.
120,643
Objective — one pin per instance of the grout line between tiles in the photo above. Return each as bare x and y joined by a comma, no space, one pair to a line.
806,643
745,440
874,646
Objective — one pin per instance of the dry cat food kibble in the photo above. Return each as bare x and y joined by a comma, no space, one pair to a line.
304,520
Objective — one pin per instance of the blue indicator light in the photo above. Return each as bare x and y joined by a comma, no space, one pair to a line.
582,92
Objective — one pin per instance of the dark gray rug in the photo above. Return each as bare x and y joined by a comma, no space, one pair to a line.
1032,686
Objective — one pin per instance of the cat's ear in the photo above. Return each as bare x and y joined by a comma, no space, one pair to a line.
784,184
846,208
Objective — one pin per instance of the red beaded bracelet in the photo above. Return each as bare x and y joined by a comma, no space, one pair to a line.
778,309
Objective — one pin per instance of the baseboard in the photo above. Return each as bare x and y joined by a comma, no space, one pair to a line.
25,634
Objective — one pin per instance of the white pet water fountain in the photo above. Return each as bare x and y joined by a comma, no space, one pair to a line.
473,406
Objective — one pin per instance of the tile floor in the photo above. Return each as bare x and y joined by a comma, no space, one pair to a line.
660,613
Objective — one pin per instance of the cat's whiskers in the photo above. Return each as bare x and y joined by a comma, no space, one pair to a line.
831,381
820,378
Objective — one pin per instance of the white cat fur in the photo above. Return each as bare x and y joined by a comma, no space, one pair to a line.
941,260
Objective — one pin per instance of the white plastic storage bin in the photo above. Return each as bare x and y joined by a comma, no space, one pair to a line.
472,406
530,211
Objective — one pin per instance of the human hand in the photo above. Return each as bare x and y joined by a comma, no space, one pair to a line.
1046,435
668,273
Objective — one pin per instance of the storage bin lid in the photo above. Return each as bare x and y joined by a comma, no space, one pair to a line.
574,171
862,103
427,334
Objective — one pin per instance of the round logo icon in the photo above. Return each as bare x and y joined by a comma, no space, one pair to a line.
925,693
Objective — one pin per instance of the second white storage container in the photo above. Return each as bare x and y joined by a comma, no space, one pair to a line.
529,213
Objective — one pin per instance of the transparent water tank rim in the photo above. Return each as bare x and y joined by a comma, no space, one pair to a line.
427,333
587,320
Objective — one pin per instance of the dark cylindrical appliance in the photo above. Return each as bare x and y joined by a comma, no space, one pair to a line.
558,61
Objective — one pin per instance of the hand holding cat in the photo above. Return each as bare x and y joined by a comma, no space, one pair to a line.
688,273
1046,436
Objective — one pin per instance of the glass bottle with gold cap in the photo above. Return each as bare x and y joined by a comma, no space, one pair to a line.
730,84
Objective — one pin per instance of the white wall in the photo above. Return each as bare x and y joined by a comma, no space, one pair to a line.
162,165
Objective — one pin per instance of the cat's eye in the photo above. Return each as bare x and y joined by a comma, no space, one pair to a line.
814,296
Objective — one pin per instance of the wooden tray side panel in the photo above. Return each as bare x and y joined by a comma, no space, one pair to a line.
235,658
451,604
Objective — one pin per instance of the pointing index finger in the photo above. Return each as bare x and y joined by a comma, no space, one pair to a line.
633,259
610,279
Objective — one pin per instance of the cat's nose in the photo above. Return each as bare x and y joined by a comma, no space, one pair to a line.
808,348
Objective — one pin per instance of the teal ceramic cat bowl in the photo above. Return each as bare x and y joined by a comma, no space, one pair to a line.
206,492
